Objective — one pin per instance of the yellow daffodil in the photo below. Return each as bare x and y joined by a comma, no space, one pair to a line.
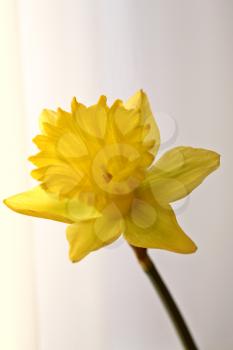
96,174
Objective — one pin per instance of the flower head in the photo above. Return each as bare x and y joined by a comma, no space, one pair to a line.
95,171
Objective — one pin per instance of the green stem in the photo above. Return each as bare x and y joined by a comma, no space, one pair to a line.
166,298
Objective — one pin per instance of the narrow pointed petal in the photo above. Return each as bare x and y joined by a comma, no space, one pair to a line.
47,117
179,171
87,236
140,101
150,225
92,120
37,202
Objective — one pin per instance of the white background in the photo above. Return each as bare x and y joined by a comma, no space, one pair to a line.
180,52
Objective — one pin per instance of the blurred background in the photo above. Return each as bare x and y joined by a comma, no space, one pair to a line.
180,52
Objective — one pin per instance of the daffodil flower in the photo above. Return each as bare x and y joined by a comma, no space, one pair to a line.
96,174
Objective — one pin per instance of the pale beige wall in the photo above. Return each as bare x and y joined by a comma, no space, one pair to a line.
17,277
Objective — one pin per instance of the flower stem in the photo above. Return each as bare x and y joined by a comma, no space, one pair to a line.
166,297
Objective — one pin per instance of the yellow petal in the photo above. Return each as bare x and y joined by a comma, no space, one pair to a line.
44,143
179,171
142,213
126,121
37,202
140,101
47,116
69,145
87,236
150,225
92,120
